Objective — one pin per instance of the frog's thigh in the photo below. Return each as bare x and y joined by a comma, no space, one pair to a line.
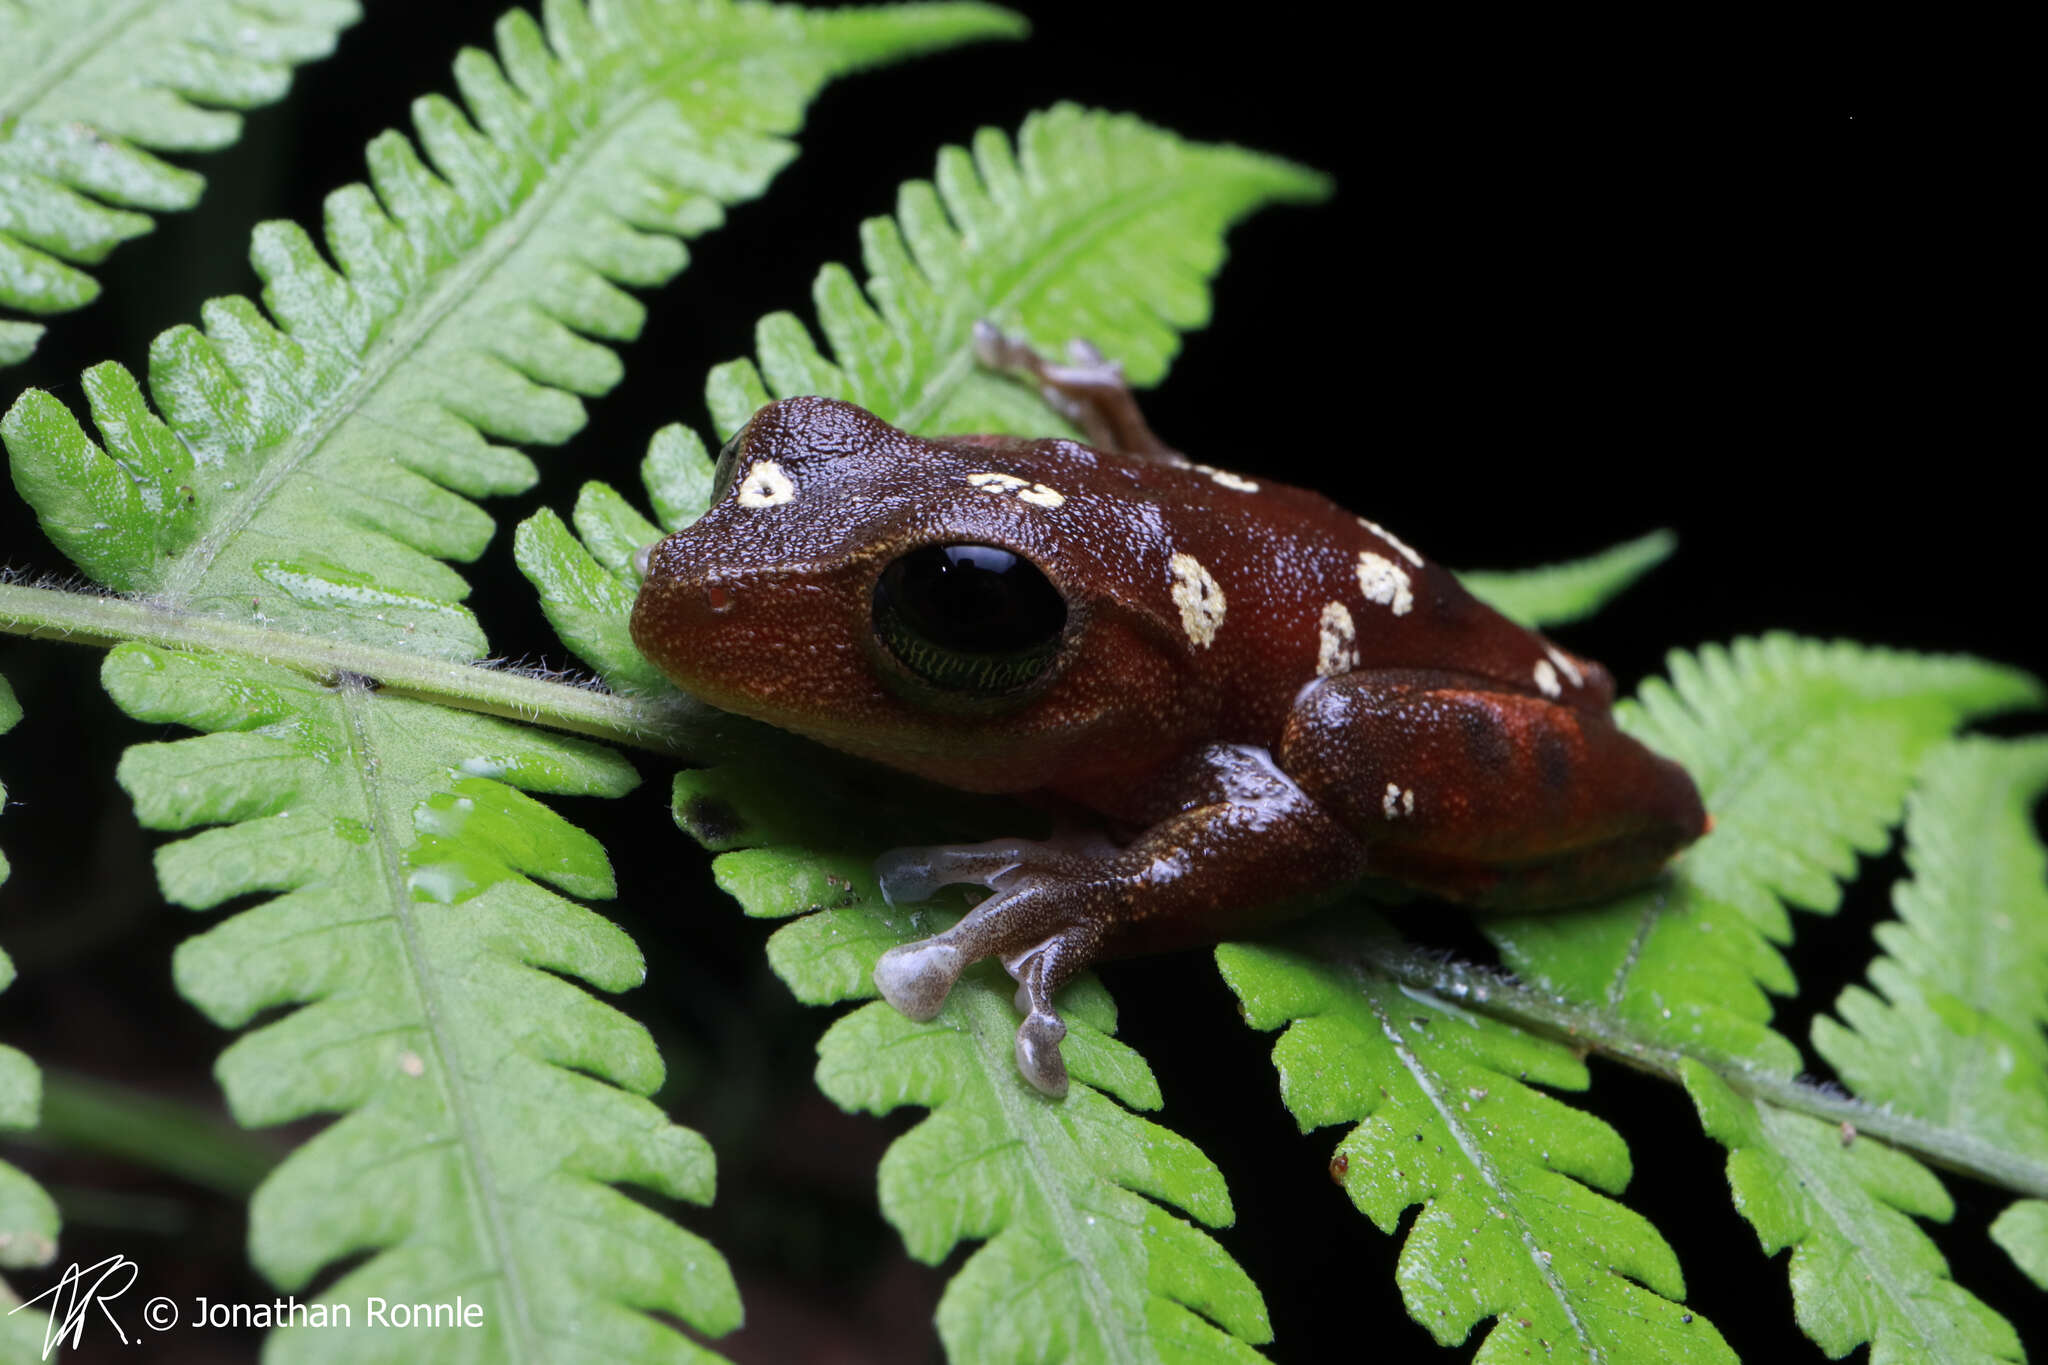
1498,798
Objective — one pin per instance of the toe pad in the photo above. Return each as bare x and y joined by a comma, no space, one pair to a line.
916,977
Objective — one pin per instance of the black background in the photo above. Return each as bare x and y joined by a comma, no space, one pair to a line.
1573,285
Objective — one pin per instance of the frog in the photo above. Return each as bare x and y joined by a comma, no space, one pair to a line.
1241,698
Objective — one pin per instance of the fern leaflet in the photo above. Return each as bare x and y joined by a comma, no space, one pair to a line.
85,87
1019,237
488,1104
1803,752
1559,594
313,474
1514,1224
1956,1036
1861,1271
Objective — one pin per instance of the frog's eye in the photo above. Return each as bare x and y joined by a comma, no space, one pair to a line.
727,468
969,619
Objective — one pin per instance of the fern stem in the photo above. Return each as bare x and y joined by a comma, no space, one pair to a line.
1461,985
679,728
81,1114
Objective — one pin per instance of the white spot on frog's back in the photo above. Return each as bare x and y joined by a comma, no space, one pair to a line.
1401,546
1237,483
1565,665
1199,598
1037,494
1397,801
1336,641
765,485
1546,679
1385,582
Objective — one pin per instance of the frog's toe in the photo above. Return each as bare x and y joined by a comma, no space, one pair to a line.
917,977
997,351
1082,351
910,875
1038,1052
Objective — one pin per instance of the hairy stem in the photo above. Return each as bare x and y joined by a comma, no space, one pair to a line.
1490,993
678,727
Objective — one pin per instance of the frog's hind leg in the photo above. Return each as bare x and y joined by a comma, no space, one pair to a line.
1089,391
1244,848
1500,799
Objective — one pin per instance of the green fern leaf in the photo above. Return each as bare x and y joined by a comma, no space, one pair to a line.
1079,1263
1861,1271
1956,1036
312,475
1559,594
2023,1231
1803,752
85,86
488,1105
1515,1225
28,1216
1016,237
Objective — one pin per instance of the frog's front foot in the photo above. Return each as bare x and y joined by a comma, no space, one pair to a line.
1044,922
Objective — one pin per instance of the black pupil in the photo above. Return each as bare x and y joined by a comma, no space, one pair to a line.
969,618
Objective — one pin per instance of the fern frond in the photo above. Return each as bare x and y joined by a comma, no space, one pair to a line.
1954,1032
28,1216
488,1104
1515,1223
1097,225
1861,1271
85,87
1080,1263
313,473
1803,751
1559,594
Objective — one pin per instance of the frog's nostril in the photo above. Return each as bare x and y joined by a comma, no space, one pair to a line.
719,597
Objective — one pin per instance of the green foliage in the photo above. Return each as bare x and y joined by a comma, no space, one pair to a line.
28,1218
1956,1035
1029,239
1803,752
2023,1231
313,474
1861,1271
1559,594
1515,1225
488,1104
86,86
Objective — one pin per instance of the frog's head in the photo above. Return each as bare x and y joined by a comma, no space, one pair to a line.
946,607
